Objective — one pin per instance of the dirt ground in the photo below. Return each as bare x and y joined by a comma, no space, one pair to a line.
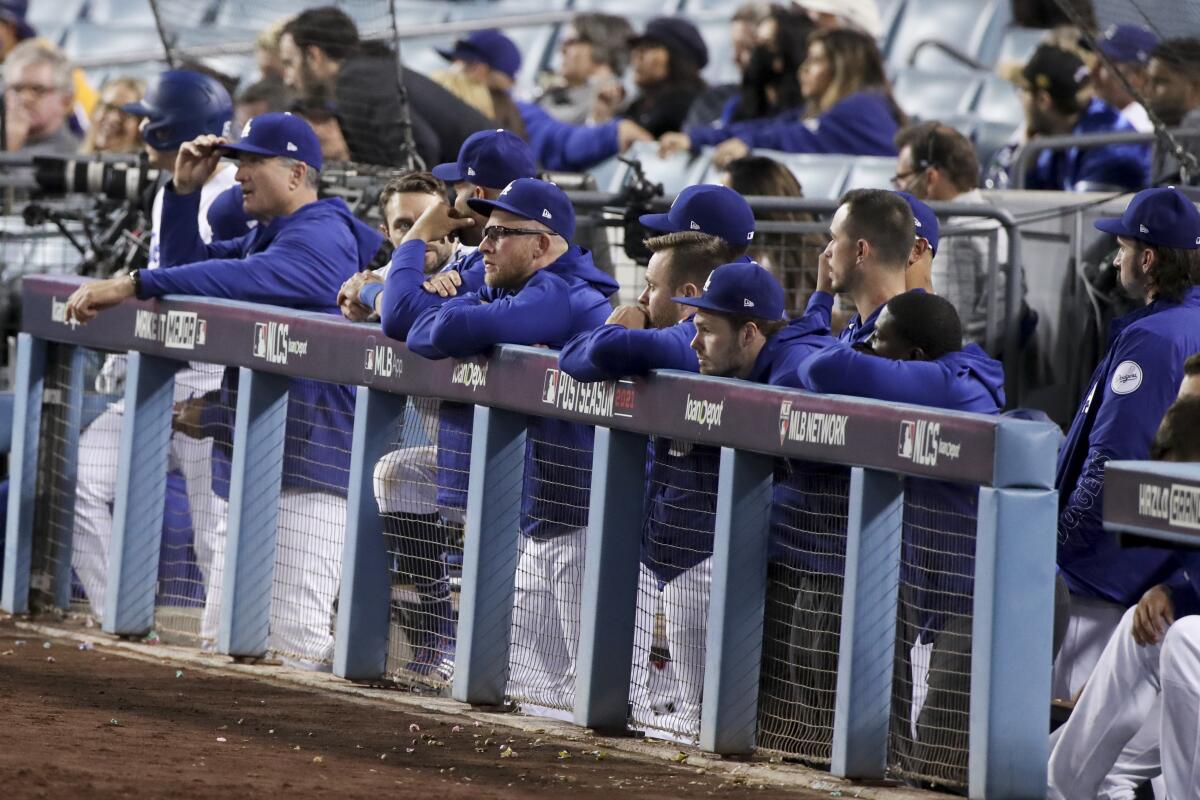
97,724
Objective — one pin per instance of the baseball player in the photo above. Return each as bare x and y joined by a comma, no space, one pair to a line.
916,356
540,289
1131,388
298,256
180,106
705,227
487,162
1139,714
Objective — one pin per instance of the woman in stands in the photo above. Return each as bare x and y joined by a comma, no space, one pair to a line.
112,130
849,107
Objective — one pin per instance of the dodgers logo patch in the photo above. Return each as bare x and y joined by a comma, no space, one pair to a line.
1126,378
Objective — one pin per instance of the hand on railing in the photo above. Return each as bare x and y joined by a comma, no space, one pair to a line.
671,143
92,298
730,150
348,299
629,132
196,162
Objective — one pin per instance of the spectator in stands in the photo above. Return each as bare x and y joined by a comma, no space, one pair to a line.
483,70
1124,49
39,97
260,97
791,258
859,15
113,129
938,164
848,107
595,53
298,256
540,289
267,56
13,26
180,106
706,226
1159,237
320,49
1147,669
667,59
1054,91
709,107
916,356
319,112
1174,95
1190,387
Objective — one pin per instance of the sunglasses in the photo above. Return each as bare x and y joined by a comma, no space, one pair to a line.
495,233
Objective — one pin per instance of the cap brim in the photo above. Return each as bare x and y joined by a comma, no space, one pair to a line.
138,109
447,53
237,148
1114,226
447,173
657,222
486,207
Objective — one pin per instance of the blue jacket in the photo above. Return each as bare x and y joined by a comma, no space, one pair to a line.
226,216
938,551
1131,389
555,304
713,135
403,301
820,314
1114,166
859,125
298,261
561,146
681,477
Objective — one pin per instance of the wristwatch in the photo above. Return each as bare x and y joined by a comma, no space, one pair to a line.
135,277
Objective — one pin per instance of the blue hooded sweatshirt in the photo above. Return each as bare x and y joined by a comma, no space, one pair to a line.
562,147
298,261
1113,166
403,301
938,551
820,313
1131,389
681,476
556,303
859,125
227,218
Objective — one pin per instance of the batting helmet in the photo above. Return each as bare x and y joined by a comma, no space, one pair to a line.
180,106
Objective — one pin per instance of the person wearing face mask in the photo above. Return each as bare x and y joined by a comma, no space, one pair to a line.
848,108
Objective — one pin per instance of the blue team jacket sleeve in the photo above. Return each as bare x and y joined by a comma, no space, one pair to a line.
1125,425
562,146
861,124
179,239
712,135
818,314
611,351
291,272
840,369
465,326
403,297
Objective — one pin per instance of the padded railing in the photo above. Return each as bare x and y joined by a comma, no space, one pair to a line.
1011,461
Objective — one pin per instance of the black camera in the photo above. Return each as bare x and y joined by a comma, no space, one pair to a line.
117,180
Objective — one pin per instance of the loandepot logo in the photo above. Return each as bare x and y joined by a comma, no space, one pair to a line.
703,412
471,375
177,330
921,443
271,343
813,427
1179,505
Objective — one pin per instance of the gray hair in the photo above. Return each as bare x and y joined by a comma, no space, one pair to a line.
35,51
608,35
312,175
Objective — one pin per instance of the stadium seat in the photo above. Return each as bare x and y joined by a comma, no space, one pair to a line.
933,95
870,172
43,15
675,173
719,38
820,176
1018,44
89,40
963,24
999,101
123,12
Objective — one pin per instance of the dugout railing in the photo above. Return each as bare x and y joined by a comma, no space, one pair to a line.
1155,499
1010,461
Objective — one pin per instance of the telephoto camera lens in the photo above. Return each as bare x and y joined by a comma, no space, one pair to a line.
57,175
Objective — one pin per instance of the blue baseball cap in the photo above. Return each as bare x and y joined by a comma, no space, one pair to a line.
279,135
715,210
15,11
488,46
1128,44
540,201
925,221
492,159
1159,217
743,288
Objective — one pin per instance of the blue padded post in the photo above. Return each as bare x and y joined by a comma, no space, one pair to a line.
141,491
76,360
254,482
360,648
489,556
869,598
610,576
29,378
1012,642
733,658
